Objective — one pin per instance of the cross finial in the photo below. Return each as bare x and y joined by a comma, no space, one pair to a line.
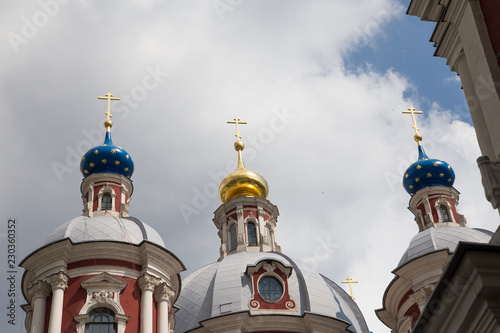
109,96
350,281
418,136
237,122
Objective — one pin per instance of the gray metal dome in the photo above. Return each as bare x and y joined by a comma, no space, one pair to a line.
435,239
224,288
105,228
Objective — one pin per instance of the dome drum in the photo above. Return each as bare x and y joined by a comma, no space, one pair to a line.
246,224
117,188
436,207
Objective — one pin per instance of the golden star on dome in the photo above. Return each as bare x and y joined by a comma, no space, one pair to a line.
429,175
91,165
406,176
113,151
117,162
441,175
96,151
412,194
127,157
119,147
83,158
103,161
435,164
419,167
449,167
126,169
411,186
449,179
85,171
417,179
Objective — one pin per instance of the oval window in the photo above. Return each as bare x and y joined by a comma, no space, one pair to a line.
270,289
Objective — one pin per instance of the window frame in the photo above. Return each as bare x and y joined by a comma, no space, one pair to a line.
254,236
90,326
233,237
279,282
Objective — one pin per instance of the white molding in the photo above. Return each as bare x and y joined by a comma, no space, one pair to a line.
103,291
106,189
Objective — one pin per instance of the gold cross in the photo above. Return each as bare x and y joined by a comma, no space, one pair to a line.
411,110
350,281
109,97
237,122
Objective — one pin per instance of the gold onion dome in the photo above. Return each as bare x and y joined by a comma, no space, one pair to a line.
242,182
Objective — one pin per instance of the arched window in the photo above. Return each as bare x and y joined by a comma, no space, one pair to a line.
101,320
252,234
233,241
106,201
445,214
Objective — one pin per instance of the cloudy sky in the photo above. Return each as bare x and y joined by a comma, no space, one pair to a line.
321,84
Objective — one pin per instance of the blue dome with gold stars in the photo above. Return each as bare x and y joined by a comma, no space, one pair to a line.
107,158
427,172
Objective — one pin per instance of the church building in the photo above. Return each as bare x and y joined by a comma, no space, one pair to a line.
433,202
106,271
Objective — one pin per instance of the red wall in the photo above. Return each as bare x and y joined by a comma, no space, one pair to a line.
116,189
75,296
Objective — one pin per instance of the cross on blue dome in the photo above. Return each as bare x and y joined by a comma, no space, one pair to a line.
107,158
425,172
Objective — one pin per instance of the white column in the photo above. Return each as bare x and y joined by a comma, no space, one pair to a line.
163,296
58,282
147,283
38,293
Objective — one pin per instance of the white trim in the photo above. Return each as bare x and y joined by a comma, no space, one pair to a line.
441,201
106,189
103,291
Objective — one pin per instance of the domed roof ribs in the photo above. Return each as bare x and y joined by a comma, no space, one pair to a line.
304,294
140,224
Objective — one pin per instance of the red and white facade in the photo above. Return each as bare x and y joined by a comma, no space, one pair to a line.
102,260
429,204
441,228
239,213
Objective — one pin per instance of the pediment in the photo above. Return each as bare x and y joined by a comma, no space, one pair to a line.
104,281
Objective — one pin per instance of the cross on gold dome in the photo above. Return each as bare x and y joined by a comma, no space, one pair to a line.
418,136
109,96
350,281
237,122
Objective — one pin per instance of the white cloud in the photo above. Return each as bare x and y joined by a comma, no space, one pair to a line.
334,169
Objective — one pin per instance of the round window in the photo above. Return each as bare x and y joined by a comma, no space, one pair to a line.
270,289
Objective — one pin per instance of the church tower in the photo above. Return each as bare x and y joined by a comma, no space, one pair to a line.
246,223
254,287
104,271
433,202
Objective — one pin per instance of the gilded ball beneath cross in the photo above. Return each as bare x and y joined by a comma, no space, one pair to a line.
238,145
418,137
108,124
